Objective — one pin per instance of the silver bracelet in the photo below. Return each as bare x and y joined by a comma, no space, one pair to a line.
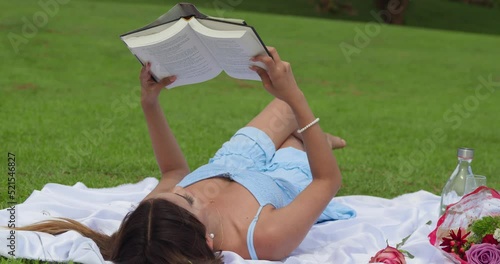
308,126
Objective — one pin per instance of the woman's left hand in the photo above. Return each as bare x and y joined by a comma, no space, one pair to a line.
150,89
278,80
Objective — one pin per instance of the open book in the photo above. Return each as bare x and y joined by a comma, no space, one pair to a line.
195,47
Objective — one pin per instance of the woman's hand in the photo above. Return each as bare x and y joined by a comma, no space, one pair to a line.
278,79
150,89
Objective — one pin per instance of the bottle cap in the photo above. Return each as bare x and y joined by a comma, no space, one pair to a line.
465,153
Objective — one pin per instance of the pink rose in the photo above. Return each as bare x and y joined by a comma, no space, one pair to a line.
389,255
483,254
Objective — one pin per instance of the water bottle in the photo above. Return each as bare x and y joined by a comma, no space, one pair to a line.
454,189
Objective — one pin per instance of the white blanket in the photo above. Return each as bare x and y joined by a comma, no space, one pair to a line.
346,241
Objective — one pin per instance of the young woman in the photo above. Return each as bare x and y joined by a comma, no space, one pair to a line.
258,196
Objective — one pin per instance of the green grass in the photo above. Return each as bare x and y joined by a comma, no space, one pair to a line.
74,89
434,14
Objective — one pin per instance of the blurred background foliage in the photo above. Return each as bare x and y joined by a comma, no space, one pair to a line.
475,16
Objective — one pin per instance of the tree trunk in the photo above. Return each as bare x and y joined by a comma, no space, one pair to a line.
392,11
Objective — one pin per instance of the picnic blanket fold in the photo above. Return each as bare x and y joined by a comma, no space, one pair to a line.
344,241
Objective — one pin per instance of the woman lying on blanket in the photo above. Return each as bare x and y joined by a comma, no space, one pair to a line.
258,196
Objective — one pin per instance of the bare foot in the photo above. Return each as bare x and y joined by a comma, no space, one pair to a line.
335,142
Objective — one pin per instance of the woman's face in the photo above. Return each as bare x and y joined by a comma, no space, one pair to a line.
185,199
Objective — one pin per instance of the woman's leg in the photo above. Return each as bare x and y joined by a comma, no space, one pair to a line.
277,121
295,141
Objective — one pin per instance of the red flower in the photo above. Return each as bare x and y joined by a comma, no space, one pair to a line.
389,255
455,243
489,239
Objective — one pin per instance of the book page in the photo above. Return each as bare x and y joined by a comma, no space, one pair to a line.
176,53
231,20
232,49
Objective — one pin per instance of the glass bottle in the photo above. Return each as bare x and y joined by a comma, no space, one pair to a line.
454,189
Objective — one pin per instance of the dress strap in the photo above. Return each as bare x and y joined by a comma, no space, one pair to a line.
251,248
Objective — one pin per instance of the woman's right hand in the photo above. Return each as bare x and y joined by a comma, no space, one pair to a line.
150,89
278,79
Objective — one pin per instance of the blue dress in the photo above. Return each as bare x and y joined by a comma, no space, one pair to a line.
273,177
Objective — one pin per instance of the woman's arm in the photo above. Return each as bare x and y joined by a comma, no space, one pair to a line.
173,166
282,230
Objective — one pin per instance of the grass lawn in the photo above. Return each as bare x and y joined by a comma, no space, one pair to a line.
435,14
404,102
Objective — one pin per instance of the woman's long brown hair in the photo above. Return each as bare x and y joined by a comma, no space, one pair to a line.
157,231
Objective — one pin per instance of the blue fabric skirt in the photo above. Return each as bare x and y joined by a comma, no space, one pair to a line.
273,177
